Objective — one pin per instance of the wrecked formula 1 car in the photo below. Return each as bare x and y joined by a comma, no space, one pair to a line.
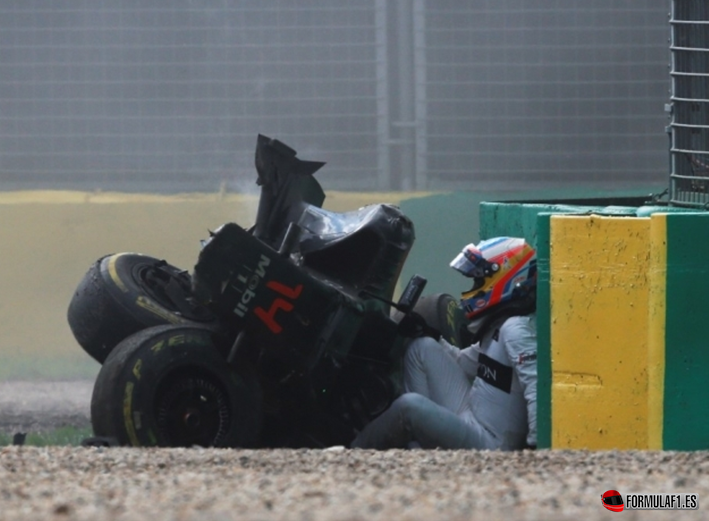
284,334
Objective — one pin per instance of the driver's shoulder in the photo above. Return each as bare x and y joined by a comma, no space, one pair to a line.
518,324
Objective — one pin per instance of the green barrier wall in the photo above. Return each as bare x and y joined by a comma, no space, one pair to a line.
685,422
543,332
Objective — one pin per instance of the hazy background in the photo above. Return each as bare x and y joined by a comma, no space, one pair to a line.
148,95
479,99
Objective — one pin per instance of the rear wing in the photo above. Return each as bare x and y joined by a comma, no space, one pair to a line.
287,187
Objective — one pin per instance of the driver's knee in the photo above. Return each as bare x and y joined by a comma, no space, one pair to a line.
419,349
410,406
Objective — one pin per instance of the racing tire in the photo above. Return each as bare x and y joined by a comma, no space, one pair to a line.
442,312
168,386
123,293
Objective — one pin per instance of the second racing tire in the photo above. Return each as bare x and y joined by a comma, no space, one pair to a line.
169,386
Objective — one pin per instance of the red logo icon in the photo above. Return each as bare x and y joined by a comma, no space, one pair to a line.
612,500
269,317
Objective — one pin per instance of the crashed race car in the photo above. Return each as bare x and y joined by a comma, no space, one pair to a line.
284,334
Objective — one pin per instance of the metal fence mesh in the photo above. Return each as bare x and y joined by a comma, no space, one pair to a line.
547,90
689,184
156,96
145,96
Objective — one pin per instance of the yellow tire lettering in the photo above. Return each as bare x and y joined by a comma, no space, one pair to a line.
176,340
450,314
450,318
158,347
128,414
147,304
136,368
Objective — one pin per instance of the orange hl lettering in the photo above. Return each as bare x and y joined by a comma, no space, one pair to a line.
269,317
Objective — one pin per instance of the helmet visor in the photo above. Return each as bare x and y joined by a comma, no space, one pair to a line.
470,263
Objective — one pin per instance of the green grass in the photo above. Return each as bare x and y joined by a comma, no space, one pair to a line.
23,367
71,436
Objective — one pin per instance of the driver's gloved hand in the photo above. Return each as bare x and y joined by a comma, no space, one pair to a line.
413,325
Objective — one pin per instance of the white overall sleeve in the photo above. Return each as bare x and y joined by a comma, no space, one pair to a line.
519,336
466,358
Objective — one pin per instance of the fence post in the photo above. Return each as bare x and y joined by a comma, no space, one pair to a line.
382,94
421,145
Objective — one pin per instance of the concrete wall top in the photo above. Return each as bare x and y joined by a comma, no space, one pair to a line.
519,218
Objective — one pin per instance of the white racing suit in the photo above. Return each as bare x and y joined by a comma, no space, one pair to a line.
481,397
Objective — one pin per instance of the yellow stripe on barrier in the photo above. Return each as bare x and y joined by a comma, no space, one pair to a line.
656,331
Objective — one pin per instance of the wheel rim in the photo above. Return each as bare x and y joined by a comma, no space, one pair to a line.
192,409
154,279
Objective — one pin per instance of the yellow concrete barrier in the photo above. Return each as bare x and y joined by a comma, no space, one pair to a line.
599,333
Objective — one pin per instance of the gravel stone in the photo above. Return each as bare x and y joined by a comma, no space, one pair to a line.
227,484
338,484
